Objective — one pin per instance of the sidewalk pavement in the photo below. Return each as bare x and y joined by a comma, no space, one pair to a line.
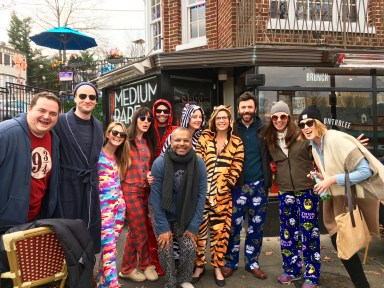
333,273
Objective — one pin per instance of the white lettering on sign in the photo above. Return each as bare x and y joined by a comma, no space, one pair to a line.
337,122
130,98
317,77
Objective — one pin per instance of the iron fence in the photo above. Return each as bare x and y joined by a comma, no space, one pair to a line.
15,99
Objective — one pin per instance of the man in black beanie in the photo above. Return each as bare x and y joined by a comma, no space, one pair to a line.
81,140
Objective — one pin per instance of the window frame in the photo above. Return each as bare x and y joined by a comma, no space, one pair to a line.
154,45
187,41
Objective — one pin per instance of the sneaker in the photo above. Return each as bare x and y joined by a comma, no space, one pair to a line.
136,275
287,279
308,284
186,285
151,274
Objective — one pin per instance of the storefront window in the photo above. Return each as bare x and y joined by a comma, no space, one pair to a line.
345,101
380,117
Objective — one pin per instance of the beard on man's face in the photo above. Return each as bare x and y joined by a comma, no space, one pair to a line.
247,116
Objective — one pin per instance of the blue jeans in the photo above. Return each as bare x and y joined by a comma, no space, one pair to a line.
252,198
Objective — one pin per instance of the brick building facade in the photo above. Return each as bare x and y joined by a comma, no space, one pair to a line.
326,52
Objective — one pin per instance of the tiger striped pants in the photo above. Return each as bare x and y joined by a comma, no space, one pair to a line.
218,222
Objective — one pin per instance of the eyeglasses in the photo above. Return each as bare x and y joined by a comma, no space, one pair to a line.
91,97
282,117
148,118
224,118
121,134
309,123
165,111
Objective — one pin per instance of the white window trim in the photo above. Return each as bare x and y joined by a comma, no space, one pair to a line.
198,42
150,39
333,25
187,42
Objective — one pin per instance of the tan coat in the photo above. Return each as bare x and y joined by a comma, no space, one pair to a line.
341,149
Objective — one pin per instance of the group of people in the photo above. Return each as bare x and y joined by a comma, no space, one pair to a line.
307,146
179,187
48,165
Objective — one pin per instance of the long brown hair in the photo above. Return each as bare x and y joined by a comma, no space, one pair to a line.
150,135
271,133
123,159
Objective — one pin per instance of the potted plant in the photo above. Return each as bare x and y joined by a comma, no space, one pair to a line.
114,56
74,59
56,63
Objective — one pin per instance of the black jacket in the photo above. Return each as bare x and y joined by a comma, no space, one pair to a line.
265,157
77,244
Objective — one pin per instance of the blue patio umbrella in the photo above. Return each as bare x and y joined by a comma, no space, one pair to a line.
64,38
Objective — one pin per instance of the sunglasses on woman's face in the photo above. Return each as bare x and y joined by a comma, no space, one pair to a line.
282,117
117,133
309,123
91,97
148,118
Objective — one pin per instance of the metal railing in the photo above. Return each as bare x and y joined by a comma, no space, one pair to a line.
338,23
87,70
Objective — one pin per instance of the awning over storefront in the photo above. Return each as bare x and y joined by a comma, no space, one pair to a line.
292,56
249,56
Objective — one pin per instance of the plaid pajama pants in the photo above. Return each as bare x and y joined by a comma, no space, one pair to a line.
136,250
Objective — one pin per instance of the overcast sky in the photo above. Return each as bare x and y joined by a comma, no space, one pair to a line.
121,21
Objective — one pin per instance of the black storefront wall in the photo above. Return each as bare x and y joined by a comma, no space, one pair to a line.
125,99
178,89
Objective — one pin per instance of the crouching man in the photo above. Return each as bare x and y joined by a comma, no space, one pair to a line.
176,203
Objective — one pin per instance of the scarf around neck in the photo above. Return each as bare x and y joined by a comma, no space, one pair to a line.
188,191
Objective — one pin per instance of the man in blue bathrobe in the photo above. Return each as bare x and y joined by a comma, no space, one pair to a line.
81,140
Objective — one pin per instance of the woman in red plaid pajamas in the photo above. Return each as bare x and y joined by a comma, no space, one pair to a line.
136,264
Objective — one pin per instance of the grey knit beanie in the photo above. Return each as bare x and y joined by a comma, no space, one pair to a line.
280,106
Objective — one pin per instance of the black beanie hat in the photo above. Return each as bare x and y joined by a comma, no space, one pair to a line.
86,83
310,111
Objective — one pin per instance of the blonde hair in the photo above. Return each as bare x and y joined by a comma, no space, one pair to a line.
122,152
321,130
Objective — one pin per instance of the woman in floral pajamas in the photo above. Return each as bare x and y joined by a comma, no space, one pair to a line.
113,163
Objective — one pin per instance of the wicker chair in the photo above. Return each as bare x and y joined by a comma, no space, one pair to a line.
35,258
